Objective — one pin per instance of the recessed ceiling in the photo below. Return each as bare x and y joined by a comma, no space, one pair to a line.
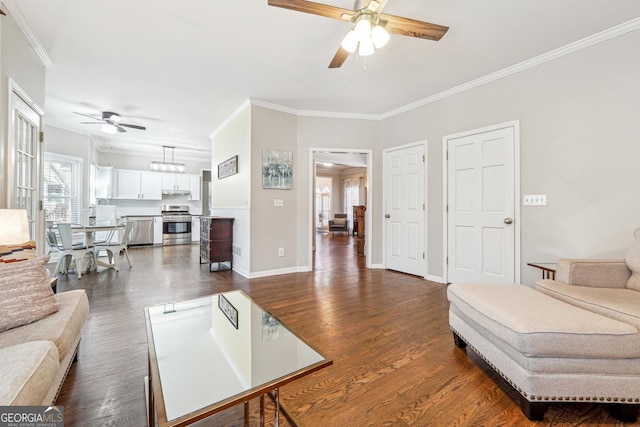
181,68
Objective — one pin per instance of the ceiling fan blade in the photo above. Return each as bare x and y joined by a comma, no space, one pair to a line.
412,28
120,128
91,123
86,115
128,125
314,8
339,58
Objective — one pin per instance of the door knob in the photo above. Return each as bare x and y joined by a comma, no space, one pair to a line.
508,220
387,216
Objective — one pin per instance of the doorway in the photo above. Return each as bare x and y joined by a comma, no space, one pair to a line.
481,193
349,158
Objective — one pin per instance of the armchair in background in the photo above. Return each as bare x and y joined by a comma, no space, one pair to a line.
339,223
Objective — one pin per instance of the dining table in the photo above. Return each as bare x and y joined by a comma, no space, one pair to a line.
104,226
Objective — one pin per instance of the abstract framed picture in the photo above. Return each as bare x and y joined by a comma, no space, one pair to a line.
277,169
228,167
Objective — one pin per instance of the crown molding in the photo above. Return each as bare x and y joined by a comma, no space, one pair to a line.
597,38
16,12
229,118
308,113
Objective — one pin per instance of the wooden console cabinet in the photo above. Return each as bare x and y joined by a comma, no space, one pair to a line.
358,218
216,240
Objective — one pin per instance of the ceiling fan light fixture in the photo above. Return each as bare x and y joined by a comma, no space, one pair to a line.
350,42
366,48
363,28
379,36
109,128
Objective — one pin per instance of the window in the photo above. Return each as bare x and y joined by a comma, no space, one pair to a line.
62,188
351,196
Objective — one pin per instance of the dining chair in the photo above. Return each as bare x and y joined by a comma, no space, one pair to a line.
114,246
76,252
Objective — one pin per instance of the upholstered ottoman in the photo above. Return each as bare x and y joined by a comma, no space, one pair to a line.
548,350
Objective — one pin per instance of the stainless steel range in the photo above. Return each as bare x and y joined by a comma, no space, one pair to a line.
176,225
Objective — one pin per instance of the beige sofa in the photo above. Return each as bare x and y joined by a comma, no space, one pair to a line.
572,339
40,333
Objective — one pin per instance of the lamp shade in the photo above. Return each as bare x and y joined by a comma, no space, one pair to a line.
110,129
350,42
363,28
366,48
380,36
14,226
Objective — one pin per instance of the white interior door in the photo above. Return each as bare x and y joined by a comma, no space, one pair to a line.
481,215
404,212
25,160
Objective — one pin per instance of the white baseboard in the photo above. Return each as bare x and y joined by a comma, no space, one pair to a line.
437,279
267,273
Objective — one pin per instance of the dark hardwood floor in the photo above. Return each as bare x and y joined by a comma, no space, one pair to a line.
395,363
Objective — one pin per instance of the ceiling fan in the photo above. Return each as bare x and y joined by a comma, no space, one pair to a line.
111,122
371,27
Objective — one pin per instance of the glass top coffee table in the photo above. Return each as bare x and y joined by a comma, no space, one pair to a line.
211,353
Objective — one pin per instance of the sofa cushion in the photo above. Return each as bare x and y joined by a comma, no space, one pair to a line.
633,262
536,324
27,372
17,252
620,304
62,328
25,293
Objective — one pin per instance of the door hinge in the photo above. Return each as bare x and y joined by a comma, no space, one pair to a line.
423,207
40,205
423,158
41,136
422,255
446,154
447,260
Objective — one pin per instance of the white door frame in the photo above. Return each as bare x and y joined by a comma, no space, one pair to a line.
312,195
426,200
515,124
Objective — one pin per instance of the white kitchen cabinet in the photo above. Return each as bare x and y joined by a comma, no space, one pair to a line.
150,186
138,185
157,230
195,228
176,182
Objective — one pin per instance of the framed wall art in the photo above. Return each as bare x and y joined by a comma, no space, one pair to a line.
277,169
228,167
229,310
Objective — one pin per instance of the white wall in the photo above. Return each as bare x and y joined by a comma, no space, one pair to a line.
274,227
231,196
580,145
19,62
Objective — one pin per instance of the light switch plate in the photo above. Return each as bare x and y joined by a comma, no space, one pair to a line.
278,202
534,200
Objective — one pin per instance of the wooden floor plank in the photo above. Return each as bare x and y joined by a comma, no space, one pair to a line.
394,359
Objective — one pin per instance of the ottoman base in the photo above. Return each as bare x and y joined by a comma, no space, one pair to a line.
544,350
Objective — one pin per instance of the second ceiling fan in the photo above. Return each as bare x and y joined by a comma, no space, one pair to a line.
371,27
